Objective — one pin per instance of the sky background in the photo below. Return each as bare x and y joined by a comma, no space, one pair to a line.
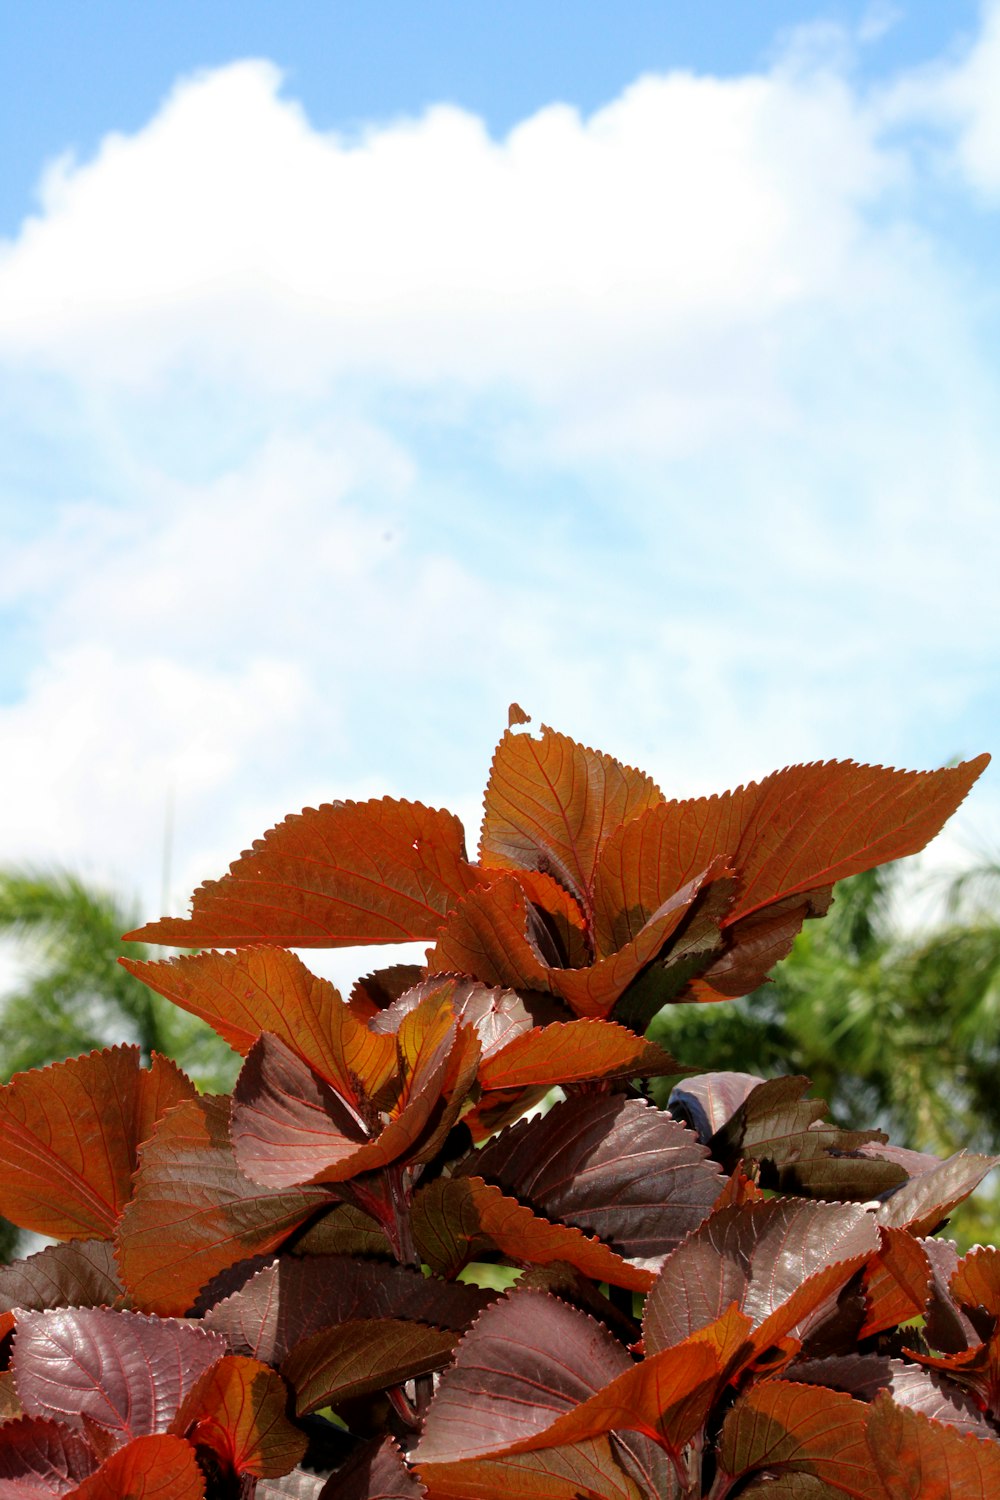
366,367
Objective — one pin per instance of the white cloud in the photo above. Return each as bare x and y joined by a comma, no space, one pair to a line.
647,420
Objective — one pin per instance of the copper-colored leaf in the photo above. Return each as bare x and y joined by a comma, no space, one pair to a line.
373,992
125,1371
754,944
614,1167
385,871
243,994
528,1359
926,1391
896,1284
573,1051
487,936
920,1459
161,1467
41,1458
798,829
292,1299
194,1212
580,1471
237,1409
782,1262
778,1425
552,804
10,1405
454,1220
82,1273
69,1135
924,1202
362,1356
976,1282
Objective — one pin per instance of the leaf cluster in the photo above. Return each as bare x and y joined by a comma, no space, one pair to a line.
278,1291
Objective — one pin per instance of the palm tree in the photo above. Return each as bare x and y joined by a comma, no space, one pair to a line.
73,996
895,1030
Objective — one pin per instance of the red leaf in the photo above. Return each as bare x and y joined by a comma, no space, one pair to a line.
976,1282
614,1167
572,1051
290,1127
581,1471
126,1372
294,1298
897,1282
782,1262
486,935
528,1359
243,994
798,829
667,1396
453,1220
194,1213
69,1135
924,1202
361,1357
40,1458
377,1472
919,1459
497,1016
551,805
237,1409
151,1468
375,991
79,1274
385,871
780,1426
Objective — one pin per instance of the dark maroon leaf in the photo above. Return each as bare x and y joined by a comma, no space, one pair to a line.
614,1167
947,1326
342,1230
124,1370
754,944
41,1458
926,1391
924,1202
795,1151
708,1101
375,991
780,1426
376,1472
360,1357
194,1212
497,1016
528,1359
782,1262
292,1299
384,871
455,1220
81,1273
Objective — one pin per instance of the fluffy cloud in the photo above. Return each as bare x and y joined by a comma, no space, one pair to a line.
648,419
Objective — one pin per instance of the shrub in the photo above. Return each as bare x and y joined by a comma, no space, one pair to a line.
264,1292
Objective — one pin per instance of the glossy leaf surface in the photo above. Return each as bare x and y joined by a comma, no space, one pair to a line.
237,1409
40,1457
362,1356
81,1273
195,1213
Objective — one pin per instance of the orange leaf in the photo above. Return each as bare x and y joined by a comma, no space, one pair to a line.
896,1284
453,1219
384,871
551,805
920,1459
160,1467
268,989
237,1409
194,1213
573,1051
69,1134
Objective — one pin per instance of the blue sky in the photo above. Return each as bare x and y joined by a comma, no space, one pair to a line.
363,368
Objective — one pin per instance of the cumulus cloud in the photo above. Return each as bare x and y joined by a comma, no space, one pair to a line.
647,419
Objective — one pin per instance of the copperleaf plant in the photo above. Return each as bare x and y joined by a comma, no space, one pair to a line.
373,1273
